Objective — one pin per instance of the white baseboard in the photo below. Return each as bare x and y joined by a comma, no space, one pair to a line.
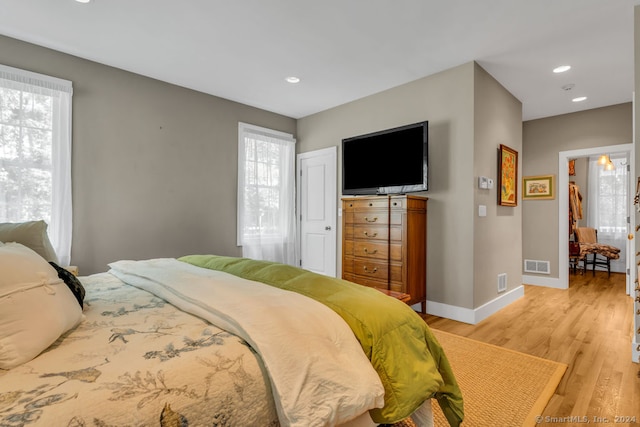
499,303
550,282
452,312
473,316
635,351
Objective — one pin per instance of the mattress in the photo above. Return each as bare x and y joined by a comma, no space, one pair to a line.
138,360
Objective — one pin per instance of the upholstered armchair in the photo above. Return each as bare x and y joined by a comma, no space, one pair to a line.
595,254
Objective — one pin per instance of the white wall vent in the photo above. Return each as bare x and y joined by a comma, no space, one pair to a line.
502,282
535,266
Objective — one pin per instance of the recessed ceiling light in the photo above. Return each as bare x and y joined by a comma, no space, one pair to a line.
83,1
579,99
562,69
292,79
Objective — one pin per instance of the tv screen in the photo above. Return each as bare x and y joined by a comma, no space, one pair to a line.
385,162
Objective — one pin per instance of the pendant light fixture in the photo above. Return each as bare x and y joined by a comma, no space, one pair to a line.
605,161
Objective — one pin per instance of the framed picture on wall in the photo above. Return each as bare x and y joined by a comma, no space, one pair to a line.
538,187
507,176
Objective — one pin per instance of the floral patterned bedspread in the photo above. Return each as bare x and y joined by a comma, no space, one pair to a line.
138,361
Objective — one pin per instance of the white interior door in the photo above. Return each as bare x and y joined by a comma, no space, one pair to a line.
317,198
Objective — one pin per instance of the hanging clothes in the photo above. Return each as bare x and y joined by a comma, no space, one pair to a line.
575,206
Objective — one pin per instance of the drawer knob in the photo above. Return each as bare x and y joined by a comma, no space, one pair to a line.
366,233
372,271
366,251
374,219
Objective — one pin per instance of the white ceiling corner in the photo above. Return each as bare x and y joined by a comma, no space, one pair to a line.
345,50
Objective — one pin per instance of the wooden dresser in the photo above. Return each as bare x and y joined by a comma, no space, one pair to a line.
384,244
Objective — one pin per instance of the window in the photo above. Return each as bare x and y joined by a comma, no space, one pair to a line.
266,194
607,205
35,153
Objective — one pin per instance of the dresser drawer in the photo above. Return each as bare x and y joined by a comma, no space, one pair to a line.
373,283
347,217
367,281
395,218
398,203
366,249
370,250
375,217
397,287
372,232
372,216
372,269
395,234
373,250
367,232
368,203
395,252
395,273
377,269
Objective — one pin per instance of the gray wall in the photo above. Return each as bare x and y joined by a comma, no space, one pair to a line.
154,165
497,240
543,139
445,99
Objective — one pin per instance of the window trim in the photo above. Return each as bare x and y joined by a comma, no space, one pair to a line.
60,227
243,129
35,79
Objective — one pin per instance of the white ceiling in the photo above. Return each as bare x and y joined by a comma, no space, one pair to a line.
343,50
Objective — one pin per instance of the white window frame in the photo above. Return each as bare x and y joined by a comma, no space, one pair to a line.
60,226
245,129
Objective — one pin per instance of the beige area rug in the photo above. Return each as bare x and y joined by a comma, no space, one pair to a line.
500,387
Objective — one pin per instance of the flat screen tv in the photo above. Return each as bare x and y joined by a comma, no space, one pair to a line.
391,161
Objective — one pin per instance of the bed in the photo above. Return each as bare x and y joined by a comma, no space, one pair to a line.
146,351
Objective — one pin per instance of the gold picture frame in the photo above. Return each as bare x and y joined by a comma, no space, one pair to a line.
507,176
541,187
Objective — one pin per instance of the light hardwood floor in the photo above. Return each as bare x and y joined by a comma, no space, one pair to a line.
588,327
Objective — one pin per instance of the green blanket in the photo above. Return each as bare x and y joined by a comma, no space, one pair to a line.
402,349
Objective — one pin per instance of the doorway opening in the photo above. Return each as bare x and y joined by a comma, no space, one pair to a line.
564,157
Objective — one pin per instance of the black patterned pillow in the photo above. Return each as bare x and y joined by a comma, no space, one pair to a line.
72,282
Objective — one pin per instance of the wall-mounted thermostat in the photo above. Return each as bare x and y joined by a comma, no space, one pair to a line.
485,183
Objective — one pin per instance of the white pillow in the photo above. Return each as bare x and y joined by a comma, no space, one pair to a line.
32,234
36,307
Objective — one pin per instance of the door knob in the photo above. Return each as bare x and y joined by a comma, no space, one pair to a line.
328,227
